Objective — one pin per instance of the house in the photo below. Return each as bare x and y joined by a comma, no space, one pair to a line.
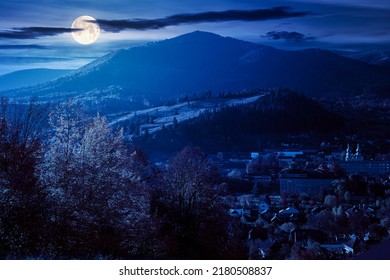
264,247
304,235
288,212
316,210
263,206
296,181
267,215
276,219
340,238
340,249
355,210
285,160
275,200
236,212
254,155
250,214
348,247
264,179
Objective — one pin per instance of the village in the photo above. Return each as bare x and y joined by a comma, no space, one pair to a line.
296,203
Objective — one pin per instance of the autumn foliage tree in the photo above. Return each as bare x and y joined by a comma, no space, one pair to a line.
95,201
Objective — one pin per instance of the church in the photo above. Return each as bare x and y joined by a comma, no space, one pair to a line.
354,163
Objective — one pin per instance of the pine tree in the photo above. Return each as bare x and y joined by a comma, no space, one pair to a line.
175,123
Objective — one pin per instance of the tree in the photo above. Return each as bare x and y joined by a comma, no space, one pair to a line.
58,167
324,221
175,122
20,129
347,196
267,164
22,201
235,174
192,211
330,200
358,222
287,227
256,190
308,251
377,232
95,201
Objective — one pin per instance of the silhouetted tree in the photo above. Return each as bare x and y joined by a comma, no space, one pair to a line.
22,201
195,219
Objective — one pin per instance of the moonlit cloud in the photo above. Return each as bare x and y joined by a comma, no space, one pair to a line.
22,47
230,15
35,32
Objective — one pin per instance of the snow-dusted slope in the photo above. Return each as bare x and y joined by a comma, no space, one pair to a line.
165,115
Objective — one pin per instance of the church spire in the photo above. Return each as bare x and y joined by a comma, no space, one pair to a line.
357,153
347,153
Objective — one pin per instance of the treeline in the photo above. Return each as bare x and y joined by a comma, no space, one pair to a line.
207,95
81,193
278,112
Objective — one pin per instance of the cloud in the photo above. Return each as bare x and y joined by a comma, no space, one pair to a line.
287,36
231,15
10,47
34,32
148,24
30,59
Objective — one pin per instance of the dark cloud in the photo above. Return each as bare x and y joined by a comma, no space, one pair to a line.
287,36
231,15
34,32
30,59
146,24
11,47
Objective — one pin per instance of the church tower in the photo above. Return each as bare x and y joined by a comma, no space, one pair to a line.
358,155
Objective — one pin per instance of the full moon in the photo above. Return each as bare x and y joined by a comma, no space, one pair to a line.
90,30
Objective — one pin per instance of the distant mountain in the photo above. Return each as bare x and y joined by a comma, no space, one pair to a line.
381,58
30,77
201,61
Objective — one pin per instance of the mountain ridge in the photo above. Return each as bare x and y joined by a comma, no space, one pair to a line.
200,61
30,77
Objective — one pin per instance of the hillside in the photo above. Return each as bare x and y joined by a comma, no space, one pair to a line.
156,119
241,125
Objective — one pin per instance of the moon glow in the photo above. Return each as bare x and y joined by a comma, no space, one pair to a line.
90,30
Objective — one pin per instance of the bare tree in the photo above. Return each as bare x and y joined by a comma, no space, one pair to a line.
22,202
20,129
192,211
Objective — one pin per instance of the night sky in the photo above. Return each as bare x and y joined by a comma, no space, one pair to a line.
36,33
